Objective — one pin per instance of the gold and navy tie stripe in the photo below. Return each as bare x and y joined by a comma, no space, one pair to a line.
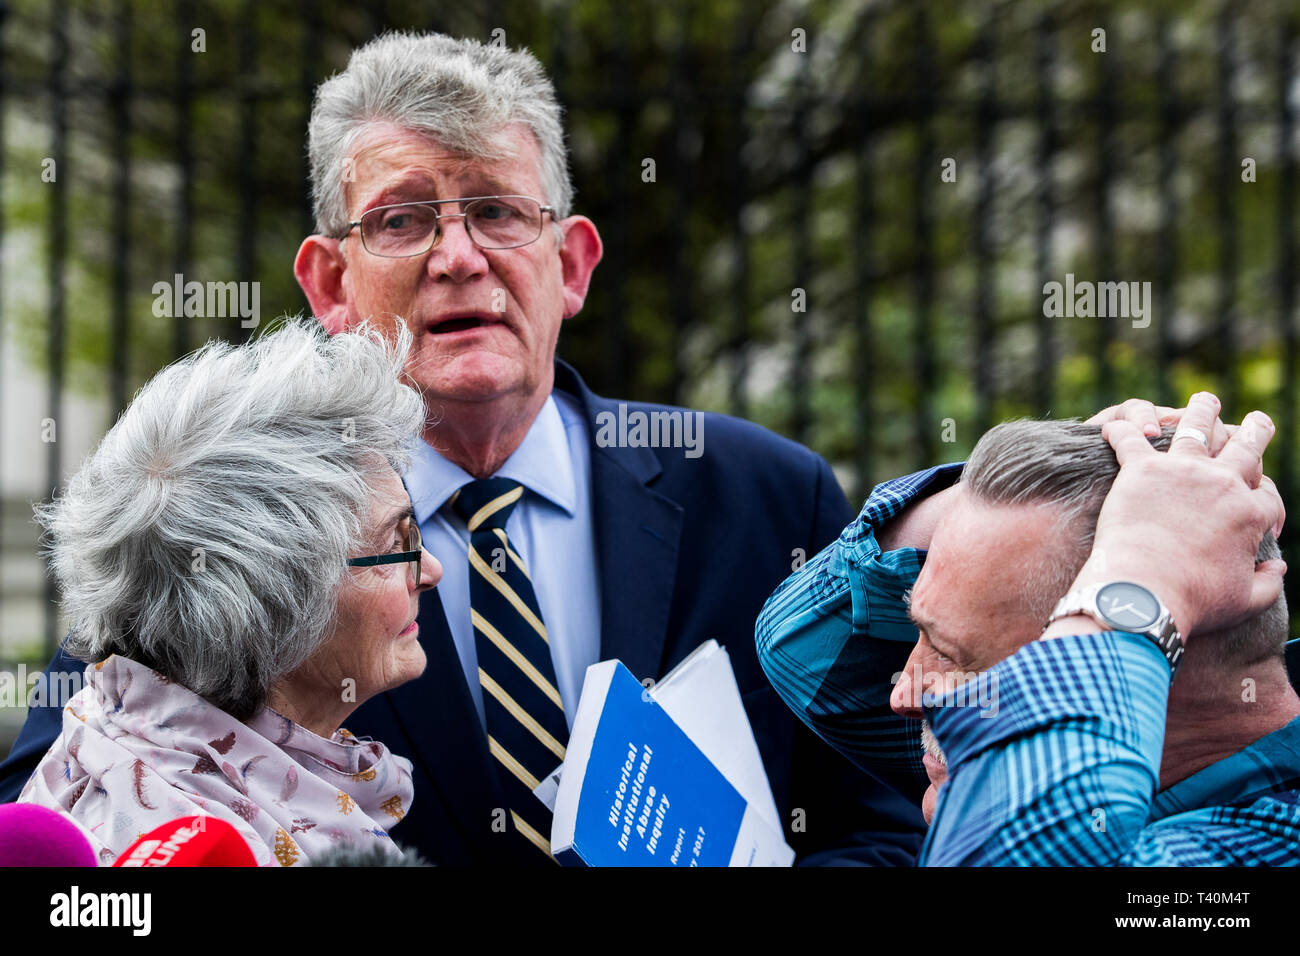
526,729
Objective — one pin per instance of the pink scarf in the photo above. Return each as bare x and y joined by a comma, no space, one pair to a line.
138,751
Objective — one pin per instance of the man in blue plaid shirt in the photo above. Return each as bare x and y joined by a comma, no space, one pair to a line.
1068,746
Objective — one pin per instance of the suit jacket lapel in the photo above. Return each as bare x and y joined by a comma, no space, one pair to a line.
638,531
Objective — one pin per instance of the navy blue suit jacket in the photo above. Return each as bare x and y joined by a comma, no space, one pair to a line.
687,550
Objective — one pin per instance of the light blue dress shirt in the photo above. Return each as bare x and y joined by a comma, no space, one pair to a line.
551,528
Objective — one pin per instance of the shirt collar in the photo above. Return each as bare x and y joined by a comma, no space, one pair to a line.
541,463
1270,764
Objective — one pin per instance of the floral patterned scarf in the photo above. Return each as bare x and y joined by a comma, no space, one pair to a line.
138,751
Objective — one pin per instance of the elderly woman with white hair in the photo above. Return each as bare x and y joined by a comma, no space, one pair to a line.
240,561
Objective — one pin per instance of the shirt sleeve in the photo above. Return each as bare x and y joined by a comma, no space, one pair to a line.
835,634
1054,758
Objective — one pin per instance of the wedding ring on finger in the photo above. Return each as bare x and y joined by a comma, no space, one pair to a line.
1189,431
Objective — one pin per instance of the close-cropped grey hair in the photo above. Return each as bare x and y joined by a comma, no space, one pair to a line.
206,536
1069,465
459,92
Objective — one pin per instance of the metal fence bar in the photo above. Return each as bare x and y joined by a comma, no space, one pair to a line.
119,106
1105,250
1045,111
494,15
4,95
246,227
183,104
1225,194
55,265
801,226
378,11
1286,277
1167,247
685,143
864,286
985,121
312,68
738,365
614,324
925,369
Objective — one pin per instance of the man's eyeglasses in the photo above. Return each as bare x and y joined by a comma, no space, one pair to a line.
411,555
413,228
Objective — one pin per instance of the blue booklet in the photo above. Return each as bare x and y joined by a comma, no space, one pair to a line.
635,790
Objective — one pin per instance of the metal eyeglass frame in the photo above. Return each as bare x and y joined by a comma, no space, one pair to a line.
543,210
414,558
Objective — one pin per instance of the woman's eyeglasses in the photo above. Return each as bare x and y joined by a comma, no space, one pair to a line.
412,554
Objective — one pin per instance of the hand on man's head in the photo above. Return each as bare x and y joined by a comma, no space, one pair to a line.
1150,419
1187,524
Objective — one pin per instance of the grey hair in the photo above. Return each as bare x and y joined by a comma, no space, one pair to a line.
207,534
461,93
1071,467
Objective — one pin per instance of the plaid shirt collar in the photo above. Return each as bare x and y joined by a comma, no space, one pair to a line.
1269,766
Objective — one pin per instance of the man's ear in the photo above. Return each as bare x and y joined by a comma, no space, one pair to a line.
319,268
578,257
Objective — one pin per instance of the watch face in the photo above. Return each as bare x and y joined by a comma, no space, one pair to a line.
1128,607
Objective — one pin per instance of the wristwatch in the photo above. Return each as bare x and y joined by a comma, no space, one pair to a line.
1125,606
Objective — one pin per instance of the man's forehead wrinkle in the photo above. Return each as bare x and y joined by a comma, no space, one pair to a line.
931,607
402,157
399,164
420,179
491,147
916,609
487,144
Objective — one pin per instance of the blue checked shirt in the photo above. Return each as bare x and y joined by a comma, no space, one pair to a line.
833,636
1064,771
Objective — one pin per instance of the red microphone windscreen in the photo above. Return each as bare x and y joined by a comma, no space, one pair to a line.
190,841
32,835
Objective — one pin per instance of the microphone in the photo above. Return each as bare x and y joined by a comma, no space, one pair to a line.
32,835
190,841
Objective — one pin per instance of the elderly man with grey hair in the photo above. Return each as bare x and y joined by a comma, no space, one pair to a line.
1054,747
239,559
570,533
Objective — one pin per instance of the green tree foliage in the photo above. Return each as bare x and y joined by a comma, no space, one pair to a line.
792,143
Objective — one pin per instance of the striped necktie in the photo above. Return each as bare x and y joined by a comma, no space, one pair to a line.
526,729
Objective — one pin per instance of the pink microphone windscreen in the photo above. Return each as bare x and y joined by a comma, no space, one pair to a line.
32,835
